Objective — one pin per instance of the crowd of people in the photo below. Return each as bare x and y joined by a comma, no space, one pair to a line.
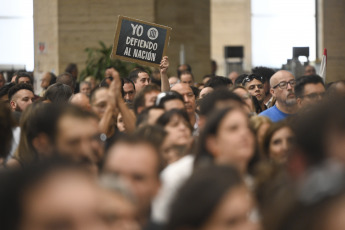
260,150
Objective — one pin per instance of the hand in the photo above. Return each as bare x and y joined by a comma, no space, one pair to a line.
111,72
164,65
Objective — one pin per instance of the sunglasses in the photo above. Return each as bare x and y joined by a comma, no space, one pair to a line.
251,77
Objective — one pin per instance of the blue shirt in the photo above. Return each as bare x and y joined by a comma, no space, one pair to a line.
274,114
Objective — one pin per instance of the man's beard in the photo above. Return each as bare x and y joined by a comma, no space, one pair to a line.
291,101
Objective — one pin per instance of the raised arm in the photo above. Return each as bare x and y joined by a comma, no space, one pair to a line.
165,86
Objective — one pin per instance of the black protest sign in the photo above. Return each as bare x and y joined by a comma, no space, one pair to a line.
140,42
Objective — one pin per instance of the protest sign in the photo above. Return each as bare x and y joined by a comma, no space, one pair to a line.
141,42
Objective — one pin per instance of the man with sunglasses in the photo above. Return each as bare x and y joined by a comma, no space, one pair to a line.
309,90
282,88
255,85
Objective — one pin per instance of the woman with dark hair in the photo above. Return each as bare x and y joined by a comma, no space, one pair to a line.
176,123
278,142
226,139
214,197
251,101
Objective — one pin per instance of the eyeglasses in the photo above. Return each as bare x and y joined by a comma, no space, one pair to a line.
314,96
284,84
251,77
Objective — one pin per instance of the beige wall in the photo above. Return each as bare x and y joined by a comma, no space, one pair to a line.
70,26
230,26
333,31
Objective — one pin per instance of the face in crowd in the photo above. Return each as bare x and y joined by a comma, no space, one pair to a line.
188,96
128,92
282,88
255,85
138,165
142,80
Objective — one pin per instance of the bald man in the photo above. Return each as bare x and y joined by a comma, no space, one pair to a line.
282,88
81,100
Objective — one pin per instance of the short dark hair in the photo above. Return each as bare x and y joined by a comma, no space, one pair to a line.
139,99
52,78
24,74
4,90
67,79
7,122
168,115
218,81
191,207
71,67
58,93
189,68
240,78
13,90
263,71
304,80
133,75
167,96
143,117
128,81
208,103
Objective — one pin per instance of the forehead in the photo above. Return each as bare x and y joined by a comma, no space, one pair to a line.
282,76
254,82
314,88
143,75
101,94
186,75
70,125
46,76
128,86
84,85
24,93
131,157
182,88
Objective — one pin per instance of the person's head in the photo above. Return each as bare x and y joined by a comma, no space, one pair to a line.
309,70
246,97
99,100
92,81
73,70
145,98
138,163
173,80
149,116
20,96
24,77
218,82
188,96
205,91
187,78
81,100
58,93
117,206
309,90
226,139
67,79
255,85
283,88
336,89
213,198
78,136
278,142
170,100
2,80
176,123
266,73
183,67
4,92
140,78
49,195
7,122
48,79
233,76
128,90
85,87
219,99
38,130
